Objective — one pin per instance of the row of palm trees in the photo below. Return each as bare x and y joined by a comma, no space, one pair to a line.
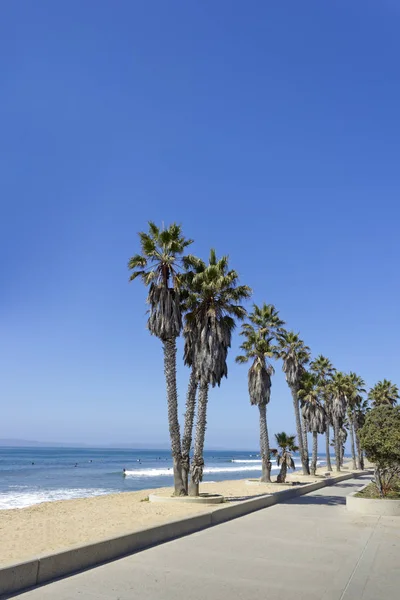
204,301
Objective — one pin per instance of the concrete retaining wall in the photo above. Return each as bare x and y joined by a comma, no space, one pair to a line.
47,568
18,577
369,506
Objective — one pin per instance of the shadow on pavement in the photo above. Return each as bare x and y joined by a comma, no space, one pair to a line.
319,500
347,485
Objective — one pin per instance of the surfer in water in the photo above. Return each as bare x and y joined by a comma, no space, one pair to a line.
123,472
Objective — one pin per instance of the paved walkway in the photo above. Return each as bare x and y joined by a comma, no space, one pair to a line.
309,548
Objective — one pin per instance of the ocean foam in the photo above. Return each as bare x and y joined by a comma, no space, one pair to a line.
251,460
207,470
22,499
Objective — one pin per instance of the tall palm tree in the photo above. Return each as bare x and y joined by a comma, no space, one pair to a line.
313,412
284,459
342,441
323,369
355,400
359,419
384,393
295,355
257,347
190,403
213,305
158,266
192,266
338,387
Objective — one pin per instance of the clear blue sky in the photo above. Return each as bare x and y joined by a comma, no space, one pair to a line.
270,130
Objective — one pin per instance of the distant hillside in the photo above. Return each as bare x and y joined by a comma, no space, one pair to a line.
16,443
31,443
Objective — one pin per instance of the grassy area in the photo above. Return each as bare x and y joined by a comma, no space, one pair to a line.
371,492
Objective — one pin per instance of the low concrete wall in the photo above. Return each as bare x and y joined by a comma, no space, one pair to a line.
82,557
18,577
47,568
368,506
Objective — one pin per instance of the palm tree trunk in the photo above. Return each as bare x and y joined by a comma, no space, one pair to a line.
188,427
305,440
314,453
264,445
353,448
296,407
172,399
358,445
282,473
337,443
362,459
327,448
198,460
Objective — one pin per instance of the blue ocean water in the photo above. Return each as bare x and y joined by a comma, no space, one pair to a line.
33,475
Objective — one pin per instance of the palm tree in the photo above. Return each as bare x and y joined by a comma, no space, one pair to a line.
313,412
158,266
213,304
284,459
355,399
257,347
295,354
323,369
359,419
384,393
192,266
190,403
342,441
338,387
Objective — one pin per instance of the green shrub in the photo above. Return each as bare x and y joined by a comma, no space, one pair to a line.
380,438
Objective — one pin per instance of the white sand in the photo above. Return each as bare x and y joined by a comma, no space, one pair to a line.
54,526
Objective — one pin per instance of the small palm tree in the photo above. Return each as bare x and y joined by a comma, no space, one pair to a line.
355,400
213,306
323,369
158,266
384,393
295,355
339,389
287,445
257,347
313,412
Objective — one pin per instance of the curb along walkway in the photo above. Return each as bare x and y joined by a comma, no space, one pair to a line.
309,547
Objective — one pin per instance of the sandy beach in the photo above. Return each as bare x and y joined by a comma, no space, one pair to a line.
54,526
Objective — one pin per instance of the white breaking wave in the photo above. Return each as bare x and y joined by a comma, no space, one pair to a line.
207,470
23,499
251,460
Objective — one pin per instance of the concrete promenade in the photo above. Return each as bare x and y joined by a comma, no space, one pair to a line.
308,548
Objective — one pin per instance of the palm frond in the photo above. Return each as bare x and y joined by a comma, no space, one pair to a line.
159,266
